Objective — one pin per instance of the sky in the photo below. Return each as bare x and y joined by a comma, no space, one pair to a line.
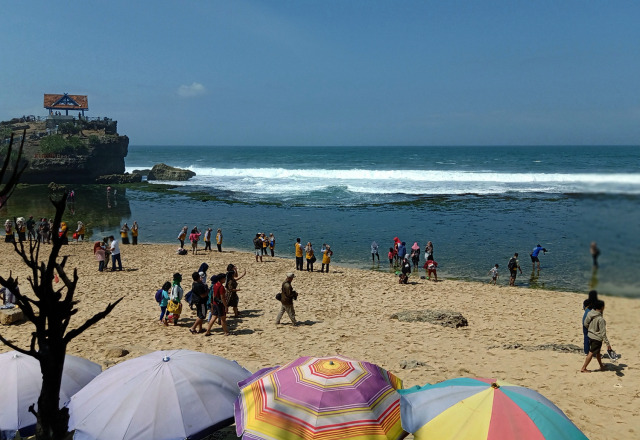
333,72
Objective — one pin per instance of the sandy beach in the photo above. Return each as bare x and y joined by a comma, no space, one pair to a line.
348,312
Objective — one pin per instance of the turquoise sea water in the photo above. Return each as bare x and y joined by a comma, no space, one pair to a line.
477,205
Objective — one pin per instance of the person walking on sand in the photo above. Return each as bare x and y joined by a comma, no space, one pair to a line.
199,298
124,234
298,254
534,256
134,232
115,254
219,306
374,252
98,251
176,295
587,306
182,236
326,258
514,267
207,239
257,244
597,335
164,300
494,274
595,253
232,290
219,240
194,237
287,295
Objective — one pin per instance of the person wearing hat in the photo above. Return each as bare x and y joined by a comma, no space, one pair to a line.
415,255
257,244
286,299
326,258
207,239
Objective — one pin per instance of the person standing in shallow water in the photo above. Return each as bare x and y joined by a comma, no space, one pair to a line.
374,252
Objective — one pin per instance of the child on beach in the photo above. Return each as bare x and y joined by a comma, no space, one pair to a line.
164,300
391,256
597,335
98,251
494,274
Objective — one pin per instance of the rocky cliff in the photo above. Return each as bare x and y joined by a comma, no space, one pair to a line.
77,152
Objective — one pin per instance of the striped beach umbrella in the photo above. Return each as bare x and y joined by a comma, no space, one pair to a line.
317,398
479,409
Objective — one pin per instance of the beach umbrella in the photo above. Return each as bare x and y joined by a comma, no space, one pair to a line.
321,398
163,395
21,385
479,409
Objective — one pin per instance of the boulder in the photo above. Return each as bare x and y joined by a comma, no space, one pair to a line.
143,172
119,178
9,316
115,352
165,172
445,318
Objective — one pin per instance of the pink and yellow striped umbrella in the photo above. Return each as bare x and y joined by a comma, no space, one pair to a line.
327,398
482,409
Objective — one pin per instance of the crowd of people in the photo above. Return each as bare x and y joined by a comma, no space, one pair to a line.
212,298
308,253
40,230
405,261
194,238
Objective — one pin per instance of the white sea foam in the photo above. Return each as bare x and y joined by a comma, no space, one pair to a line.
283,180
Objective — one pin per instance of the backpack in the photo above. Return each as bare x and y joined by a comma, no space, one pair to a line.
158,295
513,265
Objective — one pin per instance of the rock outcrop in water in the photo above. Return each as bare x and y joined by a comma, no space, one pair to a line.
166,172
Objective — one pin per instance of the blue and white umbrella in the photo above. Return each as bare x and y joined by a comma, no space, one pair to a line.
21,384
165,395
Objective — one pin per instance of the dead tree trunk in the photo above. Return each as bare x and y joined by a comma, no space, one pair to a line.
50,312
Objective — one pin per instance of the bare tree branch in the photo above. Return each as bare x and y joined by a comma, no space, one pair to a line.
19,349
89,322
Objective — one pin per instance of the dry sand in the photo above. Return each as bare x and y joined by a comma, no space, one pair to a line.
347,312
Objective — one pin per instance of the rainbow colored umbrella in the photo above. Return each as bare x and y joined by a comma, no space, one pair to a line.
315,398
479,409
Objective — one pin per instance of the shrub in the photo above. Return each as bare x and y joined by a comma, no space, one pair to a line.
57,144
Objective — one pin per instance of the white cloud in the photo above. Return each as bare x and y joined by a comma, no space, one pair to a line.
195,89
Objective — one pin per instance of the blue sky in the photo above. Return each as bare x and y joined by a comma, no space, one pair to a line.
315,73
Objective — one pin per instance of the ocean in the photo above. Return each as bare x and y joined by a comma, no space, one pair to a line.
478,205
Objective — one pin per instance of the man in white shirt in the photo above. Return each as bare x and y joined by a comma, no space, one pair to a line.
115,254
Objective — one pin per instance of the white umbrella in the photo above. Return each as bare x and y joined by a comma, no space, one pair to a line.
21,384
164,395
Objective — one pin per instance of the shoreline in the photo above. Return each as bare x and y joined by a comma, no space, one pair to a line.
347,312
